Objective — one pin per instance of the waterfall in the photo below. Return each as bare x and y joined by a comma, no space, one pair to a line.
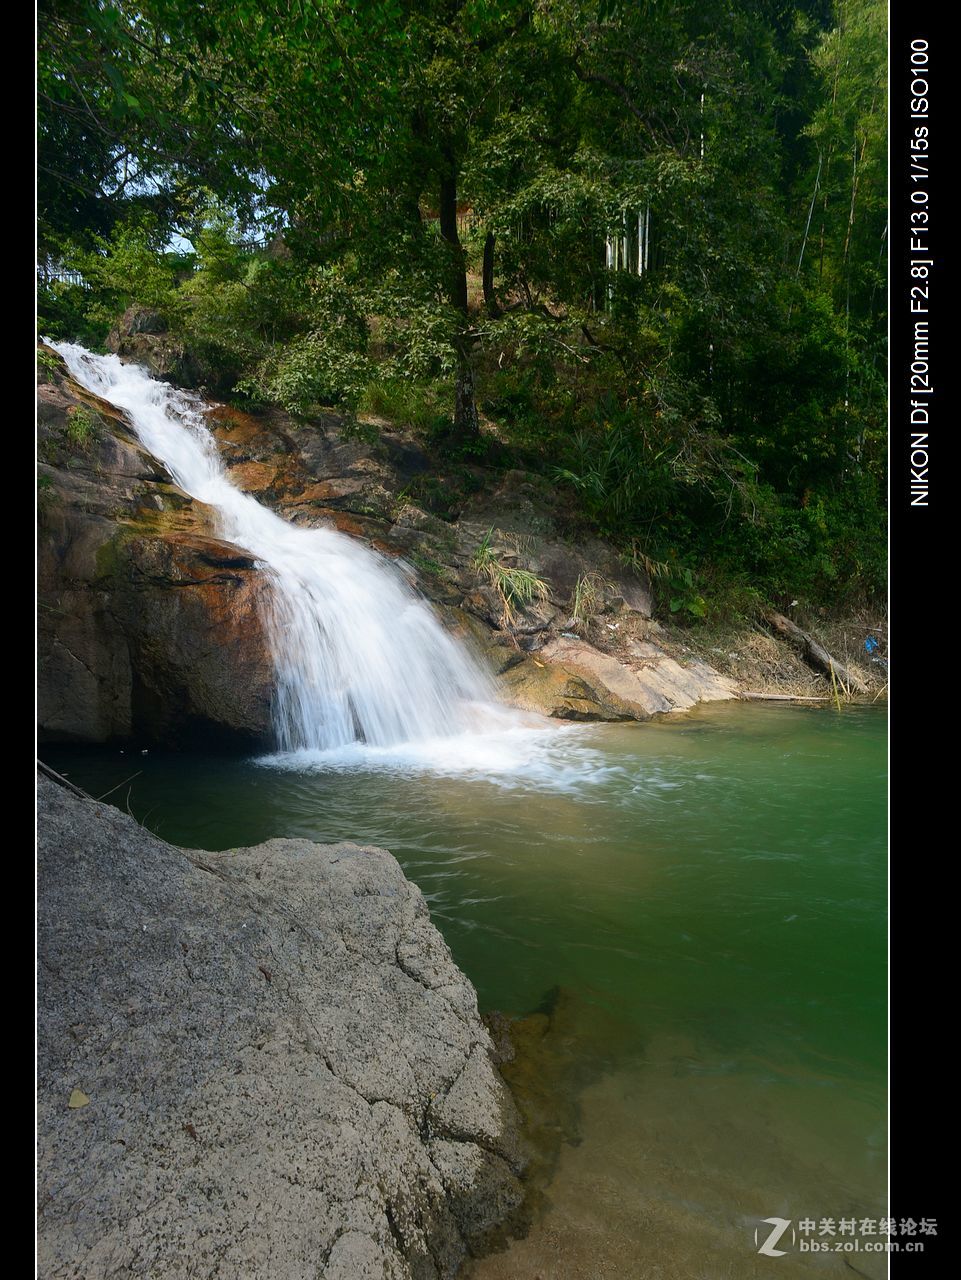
359,657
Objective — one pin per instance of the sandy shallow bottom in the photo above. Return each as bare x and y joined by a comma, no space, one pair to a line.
678,1161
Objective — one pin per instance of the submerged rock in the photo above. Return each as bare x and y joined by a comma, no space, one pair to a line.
286,1072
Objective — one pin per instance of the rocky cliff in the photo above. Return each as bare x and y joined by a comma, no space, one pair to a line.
261,1063
150,626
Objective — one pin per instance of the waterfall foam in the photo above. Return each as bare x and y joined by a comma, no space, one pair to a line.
359,657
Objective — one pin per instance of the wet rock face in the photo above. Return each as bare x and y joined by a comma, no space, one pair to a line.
285,1074
193,609
149,625
316,474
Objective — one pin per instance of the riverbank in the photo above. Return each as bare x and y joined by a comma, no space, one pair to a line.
152,626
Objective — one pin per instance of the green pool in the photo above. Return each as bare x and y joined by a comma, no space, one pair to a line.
705,902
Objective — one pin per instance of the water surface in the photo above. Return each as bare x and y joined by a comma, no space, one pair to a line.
703,902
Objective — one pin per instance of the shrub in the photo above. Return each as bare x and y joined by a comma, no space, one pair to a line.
83,427
48,362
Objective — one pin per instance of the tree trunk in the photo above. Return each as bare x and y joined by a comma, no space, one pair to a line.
490,298
813,653
466,426
457,269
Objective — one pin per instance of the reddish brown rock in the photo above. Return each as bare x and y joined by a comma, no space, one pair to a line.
154,627
149,625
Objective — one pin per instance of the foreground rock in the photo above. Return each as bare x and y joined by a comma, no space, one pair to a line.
149,624
262,1063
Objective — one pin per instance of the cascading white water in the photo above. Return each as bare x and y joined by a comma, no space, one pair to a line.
359,657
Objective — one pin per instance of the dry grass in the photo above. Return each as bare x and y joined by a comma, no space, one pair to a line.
587,600
515,588
761,663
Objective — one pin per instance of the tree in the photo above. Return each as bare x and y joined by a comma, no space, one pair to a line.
673,213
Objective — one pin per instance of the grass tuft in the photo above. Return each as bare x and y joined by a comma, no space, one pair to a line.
515,588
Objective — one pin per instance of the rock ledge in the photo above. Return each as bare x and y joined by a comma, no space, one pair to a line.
261,1063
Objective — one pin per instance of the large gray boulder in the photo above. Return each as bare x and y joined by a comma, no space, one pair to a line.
260,1064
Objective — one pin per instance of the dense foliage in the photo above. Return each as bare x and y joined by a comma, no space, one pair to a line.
638,245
